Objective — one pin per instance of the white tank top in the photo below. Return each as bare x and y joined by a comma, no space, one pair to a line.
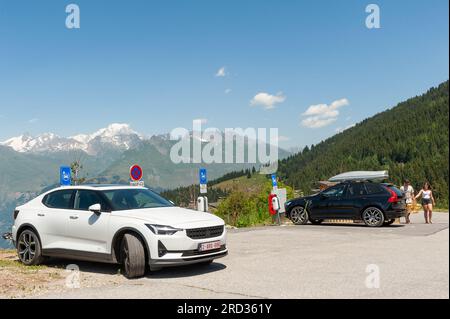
426,194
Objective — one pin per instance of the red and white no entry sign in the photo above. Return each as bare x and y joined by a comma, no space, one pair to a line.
136,173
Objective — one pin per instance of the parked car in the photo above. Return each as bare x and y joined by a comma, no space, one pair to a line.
129,225
376,204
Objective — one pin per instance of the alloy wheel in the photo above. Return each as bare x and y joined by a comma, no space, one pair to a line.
27,247
373,216
299,215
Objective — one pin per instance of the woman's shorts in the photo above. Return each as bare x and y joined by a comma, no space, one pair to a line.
426,201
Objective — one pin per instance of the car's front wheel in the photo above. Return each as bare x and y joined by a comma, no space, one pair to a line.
29,248
373,217
132,256
299,215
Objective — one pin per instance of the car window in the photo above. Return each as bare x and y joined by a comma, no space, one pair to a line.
396,190
86,198
356,189
335,191
124,199
59,199
373,188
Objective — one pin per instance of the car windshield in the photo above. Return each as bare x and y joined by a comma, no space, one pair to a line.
125,199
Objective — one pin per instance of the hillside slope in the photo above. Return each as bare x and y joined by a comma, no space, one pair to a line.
410,140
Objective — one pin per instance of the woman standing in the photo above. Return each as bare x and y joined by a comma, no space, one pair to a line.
427,202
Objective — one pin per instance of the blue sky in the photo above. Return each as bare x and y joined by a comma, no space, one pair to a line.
153,64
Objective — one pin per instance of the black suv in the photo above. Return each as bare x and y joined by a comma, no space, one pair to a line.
374,203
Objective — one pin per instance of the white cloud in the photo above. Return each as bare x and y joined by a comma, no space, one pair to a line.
267,100
317,122
32,121
321,115
221,72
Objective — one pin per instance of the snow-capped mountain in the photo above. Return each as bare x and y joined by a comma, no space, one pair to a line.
115,136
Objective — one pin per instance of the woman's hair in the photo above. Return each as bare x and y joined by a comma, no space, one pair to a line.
427,186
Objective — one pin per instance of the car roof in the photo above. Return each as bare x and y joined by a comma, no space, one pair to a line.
99,187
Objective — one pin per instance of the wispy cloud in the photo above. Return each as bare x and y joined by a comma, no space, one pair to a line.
320,115
266,100
221,72
227,91
32,121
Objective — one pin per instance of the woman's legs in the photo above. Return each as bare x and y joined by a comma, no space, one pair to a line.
425,213
430,212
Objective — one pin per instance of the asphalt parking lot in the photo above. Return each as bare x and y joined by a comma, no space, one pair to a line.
327,261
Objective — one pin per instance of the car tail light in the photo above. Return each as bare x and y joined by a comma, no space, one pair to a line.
16,212
394,197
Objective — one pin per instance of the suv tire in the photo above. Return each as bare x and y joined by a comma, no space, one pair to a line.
299,215
373,217
132,256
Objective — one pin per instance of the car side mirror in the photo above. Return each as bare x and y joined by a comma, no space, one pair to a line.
323,196
96,208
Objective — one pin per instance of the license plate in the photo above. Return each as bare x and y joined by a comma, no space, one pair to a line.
210,246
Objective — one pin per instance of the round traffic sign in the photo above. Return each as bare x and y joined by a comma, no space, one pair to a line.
136,173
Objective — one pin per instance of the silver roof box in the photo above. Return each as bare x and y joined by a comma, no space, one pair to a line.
360,176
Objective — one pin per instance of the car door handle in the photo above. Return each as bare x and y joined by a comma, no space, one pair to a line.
41,215
74,217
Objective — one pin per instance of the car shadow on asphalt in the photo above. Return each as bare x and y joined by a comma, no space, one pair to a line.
186,271
356,225
114,269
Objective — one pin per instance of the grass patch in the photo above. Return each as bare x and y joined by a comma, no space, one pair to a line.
18,265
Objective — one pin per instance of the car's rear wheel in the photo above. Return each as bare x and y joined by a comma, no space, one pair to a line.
373,217
316,221
132,256
299,215
29,248
389,222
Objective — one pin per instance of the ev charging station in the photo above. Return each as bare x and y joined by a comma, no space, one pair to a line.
277,199
202,200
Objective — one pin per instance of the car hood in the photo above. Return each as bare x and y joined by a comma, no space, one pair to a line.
172,216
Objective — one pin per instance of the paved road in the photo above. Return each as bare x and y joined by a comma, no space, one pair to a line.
328,261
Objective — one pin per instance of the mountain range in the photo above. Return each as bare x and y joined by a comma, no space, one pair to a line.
116,136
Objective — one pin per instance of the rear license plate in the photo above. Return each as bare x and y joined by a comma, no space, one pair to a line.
210,246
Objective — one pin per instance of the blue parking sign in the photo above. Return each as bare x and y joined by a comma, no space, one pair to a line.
64,176
203,177
274,180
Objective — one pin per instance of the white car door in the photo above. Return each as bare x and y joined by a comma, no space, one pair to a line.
51,218
88,231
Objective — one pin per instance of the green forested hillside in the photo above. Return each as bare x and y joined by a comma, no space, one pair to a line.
410,140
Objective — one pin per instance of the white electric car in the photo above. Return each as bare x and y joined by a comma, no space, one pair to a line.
129,225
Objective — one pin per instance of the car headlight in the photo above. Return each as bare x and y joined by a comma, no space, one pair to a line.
162,230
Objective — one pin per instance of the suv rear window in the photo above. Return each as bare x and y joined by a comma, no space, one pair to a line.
396,190
373,188
59,199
